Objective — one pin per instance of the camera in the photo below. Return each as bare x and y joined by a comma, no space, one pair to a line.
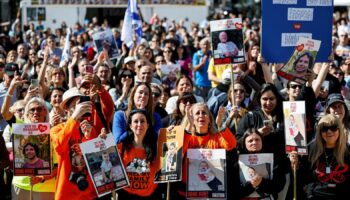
79,179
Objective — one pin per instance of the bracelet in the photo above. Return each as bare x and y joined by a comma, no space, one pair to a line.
42,180
9,95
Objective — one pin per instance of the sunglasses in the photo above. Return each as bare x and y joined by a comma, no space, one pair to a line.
326,128
238,90
20,110
126,76
296,86
156,94
188,100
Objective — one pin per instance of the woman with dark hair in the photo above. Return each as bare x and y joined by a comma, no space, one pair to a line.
185,100
140,98
124,83
139,155
259,186
268,121
303,62
185,60
254,68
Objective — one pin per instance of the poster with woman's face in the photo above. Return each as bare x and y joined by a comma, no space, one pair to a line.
32,152
295,126
227,41
301,61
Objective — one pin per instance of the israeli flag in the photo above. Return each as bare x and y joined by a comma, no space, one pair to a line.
66,48
132,25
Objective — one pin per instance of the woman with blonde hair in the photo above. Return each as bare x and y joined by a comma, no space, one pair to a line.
326,172
201,132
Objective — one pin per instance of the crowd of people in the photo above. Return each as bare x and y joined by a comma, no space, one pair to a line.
128,97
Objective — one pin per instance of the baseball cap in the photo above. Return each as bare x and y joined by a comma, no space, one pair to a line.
11,68
333,98
129,59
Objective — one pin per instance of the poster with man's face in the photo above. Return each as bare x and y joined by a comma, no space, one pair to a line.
32,152
227,41
105,41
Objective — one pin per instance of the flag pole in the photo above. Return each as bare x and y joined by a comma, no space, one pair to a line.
232,83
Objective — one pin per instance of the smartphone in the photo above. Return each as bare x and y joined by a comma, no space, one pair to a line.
34,83
268,123
90,69
85,99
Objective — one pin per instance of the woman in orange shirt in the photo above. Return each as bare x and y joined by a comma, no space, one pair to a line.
138,152
201,132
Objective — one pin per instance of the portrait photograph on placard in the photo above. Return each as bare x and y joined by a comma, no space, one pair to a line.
104,165
206,174
253,166
31,145
294,126
105,41
227,41
301,61
170,145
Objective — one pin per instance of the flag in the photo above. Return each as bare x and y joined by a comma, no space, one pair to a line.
65,52
132,24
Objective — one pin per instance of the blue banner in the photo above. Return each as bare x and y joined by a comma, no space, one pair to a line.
284,21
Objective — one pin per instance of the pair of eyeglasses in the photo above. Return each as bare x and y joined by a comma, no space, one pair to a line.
185,101
296,86
326,128
38,109
167,51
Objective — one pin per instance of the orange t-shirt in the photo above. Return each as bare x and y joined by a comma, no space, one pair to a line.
65,139
141,174
223,140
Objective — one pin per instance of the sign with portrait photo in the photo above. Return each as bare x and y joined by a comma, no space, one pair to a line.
294,126
104,165
227,41
206,177
169,75
301,61
170,146
255,166
32,153
105,41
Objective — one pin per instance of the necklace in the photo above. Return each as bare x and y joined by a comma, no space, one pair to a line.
328,164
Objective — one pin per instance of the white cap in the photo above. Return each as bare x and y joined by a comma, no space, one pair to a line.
69,94
129,59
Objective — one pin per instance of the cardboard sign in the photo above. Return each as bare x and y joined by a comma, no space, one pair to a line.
227,41
170,151
32,152
104,165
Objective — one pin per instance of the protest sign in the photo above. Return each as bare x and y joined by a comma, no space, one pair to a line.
294,126
170,146
301,61
254,165
227,41
104,165
169,75
285,21
206,174
105,41
31,145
